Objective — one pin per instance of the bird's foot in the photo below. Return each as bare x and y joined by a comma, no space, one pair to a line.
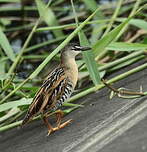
50,131
64,124
59,127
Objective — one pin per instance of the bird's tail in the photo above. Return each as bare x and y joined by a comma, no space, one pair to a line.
34,107
28,117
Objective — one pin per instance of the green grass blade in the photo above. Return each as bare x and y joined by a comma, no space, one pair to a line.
142,24
91,5
123,46
2,65
72,105
87,55
113,18
106,40
128,62
49,17
9,114
89,60
14,104
112,36
67,111
139,23
4,43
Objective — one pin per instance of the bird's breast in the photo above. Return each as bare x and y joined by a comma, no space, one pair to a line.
73,76
71,70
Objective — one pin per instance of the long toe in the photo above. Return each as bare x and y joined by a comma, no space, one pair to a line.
59,127
64,124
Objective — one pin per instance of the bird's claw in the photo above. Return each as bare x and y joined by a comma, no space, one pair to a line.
49,132
59,127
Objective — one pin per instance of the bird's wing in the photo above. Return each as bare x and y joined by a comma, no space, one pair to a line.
60,93
44,95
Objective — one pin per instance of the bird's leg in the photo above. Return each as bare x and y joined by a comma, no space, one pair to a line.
59,115
50,128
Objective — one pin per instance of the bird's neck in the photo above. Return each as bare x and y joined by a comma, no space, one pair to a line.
71,68
68,63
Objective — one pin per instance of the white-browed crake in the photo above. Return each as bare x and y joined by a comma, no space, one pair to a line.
57,88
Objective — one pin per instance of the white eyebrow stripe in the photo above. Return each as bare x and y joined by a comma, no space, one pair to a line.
78,47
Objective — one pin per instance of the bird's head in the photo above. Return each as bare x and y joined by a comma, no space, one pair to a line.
73,49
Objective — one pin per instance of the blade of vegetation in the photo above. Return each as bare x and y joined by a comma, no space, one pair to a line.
110,24
112,36
4,43
132,14
4,76
72,105
108,38
12,125
89,60
97,28
121,65
67,111
122,46
45,43
139,23
49,17
121,60
11,113
2,65
88,55
142,24
13,104
92,5
71,25
113,18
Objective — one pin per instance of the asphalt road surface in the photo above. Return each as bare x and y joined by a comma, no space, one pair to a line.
104,125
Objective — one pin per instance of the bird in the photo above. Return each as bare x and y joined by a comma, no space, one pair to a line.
56,89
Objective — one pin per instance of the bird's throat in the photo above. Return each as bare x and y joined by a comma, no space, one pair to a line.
71,69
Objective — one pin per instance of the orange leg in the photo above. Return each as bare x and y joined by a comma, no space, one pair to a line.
49,126
59,115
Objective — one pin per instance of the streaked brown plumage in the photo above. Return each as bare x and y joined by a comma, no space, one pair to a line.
57,88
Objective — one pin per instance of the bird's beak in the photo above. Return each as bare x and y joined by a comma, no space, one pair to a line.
85,48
